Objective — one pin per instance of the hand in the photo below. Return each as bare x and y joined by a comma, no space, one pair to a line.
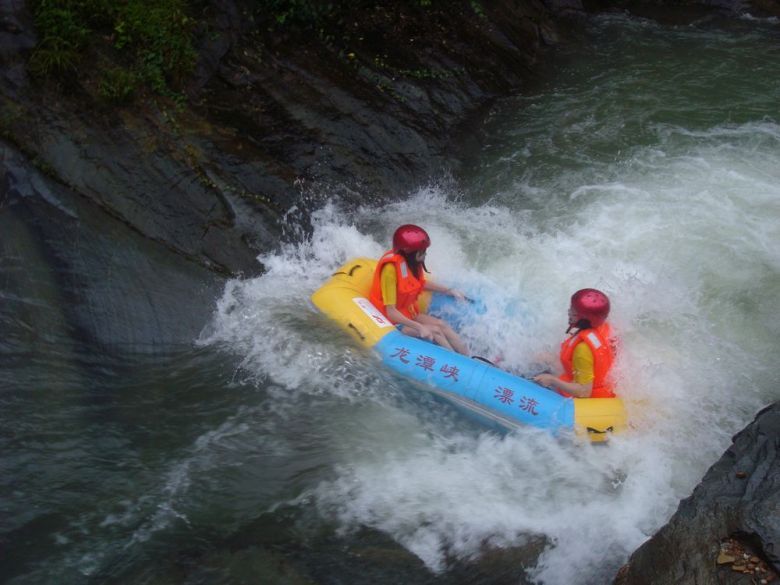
546,380
459,296
425,332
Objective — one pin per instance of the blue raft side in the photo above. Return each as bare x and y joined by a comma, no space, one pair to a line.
492,393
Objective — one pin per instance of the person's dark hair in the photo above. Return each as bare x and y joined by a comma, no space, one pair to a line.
580,325
415,266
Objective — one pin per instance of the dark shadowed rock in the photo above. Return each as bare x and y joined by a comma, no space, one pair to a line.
686,11
16,40
373,117
73,273
114,198
564,6
738,500
369,556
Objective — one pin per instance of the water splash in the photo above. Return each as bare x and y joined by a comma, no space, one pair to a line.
669,204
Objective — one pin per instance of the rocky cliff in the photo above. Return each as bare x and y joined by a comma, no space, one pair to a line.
728,530
127,209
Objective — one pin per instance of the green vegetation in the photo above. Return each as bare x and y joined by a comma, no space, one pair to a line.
315,13
476,6
62,35
117,84
116,49
299,12
121,46
341,27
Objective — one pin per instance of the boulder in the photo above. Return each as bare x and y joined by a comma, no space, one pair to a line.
728,530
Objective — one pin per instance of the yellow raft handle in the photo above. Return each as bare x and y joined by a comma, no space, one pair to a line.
359,334
351,270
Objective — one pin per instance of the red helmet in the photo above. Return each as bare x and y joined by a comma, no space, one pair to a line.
410,238
590,304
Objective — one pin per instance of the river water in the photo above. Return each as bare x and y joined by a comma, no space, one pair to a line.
276,451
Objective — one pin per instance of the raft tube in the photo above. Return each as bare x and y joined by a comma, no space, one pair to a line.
486,391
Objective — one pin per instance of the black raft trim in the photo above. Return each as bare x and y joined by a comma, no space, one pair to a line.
598,432
351,270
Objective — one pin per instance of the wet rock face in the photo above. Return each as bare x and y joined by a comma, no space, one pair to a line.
16,38
73,275
370,113
728,530
190,195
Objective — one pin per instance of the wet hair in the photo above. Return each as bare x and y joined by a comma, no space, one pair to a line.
415,266
580,325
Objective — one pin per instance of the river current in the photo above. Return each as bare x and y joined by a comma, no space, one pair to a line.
647,165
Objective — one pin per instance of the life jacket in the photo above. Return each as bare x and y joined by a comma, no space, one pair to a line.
408,286
600,342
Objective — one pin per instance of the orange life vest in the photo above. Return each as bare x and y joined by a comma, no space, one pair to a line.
600,342
408,287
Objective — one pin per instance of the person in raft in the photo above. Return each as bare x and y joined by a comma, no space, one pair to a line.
588,353
399,279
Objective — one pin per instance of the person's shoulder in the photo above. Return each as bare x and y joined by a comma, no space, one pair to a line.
388,271
582,349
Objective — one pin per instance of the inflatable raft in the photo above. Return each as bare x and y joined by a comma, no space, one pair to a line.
493,395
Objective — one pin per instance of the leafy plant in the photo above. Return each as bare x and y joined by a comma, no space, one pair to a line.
117,84
158,36
54,56
299,12
63,36
149,42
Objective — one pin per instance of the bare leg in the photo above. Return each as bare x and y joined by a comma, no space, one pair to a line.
451,339
439,338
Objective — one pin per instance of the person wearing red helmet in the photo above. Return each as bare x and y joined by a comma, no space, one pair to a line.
587,354
399,279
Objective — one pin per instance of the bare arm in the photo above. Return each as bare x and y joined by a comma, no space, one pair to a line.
573,388
399,318
432,286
